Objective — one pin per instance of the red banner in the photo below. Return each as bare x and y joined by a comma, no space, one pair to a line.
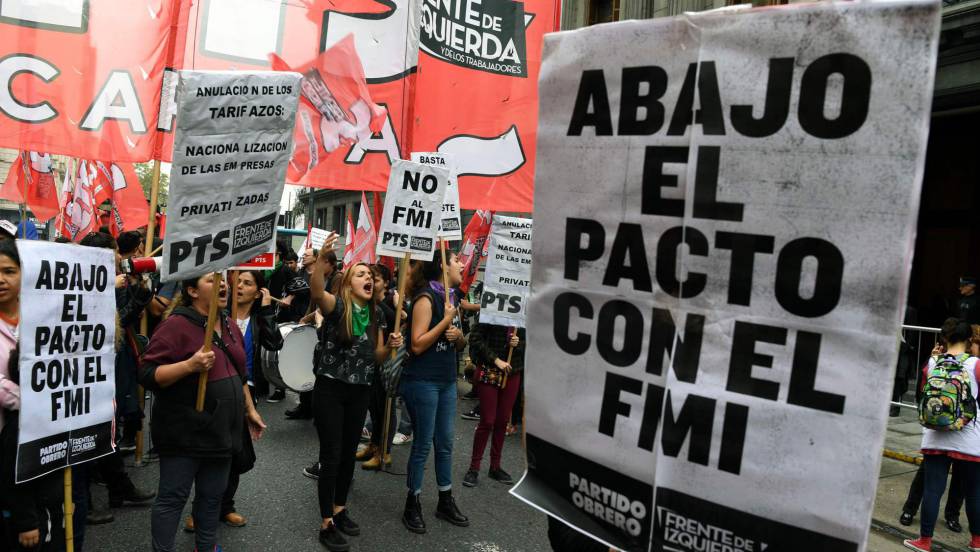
230,34
83,78
492,51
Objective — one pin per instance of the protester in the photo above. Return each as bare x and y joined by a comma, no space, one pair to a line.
132,297
428,384
498,352
960,448
352,345
32,511
196,447
371,453
256,321
331,282
967,308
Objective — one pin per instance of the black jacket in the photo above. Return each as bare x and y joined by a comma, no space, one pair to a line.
177,428
488,343
265,333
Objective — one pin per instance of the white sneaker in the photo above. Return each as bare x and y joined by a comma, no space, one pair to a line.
401,439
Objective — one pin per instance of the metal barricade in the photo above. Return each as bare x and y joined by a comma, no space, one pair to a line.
915,347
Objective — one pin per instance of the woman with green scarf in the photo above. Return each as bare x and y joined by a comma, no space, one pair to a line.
351,347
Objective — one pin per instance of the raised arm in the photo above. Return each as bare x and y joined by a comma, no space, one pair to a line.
323,299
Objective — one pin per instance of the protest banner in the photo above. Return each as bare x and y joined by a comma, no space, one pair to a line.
507,280
490,130
83,78
717,288
308,35
476,241
67,356
413,207
234,139
450,227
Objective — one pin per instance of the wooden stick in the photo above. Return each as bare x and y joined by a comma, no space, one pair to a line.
69,512
155,251
145,321
445,273
233,294
510,355
402,280
202,380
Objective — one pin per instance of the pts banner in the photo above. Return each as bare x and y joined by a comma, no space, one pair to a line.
736,199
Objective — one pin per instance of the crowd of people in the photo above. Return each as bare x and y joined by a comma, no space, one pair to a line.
360,363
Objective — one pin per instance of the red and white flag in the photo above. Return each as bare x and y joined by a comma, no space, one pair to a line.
351,236
475,246
336,107
33,174
365,235
79,215
119,184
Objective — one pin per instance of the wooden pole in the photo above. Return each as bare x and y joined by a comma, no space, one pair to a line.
402,280
445,272
510,355
233,294
202,379
69,512
144,321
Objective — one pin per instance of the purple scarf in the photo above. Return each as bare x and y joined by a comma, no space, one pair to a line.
439,289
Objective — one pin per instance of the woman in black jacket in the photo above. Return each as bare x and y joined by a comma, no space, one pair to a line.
257,322
196,447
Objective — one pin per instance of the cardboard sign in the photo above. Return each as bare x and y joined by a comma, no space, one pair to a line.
234,139
726,221
507,282
413,207
67,356
450,227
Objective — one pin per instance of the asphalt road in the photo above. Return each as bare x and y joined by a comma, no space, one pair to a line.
281,505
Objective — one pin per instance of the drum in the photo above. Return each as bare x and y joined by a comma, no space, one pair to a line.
292,367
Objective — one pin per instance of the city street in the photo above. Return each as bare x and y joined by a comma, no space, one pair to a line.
281,504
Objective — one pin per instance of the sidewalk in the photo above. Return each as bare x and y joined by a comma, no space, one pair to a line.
902,442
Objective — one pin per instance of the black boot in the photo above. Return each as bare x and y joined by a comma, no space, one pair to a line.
412,518
448,511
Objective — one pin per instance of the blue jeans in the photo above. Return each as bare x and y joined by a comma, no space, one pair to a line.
936,470
432,406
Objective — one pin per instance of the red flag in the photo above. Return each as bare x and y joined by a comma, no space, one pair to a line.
118,183
365,236
378,211
32,172
161,225
475,243
336,107
79,215
349,248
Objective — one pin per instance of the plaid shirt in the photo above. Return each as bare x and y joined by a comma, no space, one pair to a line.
488,343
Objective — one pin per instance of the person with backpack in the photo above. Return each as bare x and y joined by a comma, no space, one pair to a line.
428,384
951,435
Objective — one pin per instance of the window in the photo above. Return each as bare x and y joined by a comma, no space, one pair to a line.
603,11
339,219
320,220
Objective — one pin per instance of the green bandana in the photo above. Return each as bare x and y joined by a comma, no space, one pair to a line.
360,318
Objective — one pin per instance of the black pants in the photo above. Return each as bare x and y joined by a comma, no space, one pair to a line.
377,408
113,472
339,410
306,402
954,499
